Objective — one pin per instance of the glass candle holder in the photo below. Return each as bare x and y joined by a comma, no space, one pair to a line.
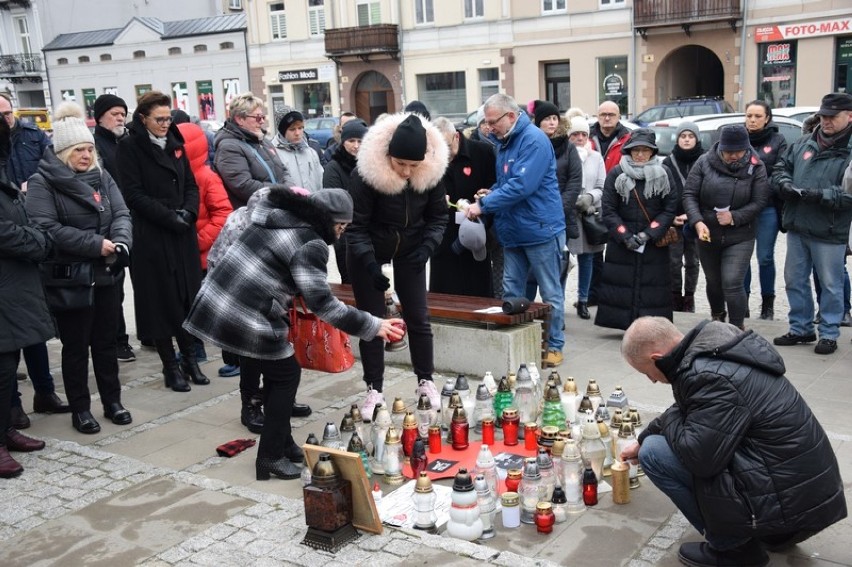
511,423
544,517
435,439
488,431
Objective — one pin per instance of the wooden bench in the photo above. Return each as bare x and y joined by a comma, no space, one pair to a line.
468,310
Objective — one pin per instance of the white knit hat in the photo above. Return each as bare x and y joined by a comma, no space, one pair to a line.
69,128
578,124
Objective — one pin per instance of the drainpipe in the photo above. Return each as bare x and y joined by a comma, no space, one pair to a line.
401,57
743,38
633,75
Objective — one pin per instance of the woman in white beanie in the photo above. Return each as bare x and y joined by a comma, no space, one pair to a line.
588,203
79,205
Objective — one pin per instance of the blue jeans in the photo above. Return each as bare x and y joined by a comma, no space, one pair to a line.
585,267
668,474
765,237
827,259
847,290
544,262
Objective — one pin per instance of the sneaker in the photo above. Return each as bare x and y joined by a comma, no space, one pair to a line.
847,320
229,370
825,346
125,353
373,398
792,339
428,387
700,554
553,358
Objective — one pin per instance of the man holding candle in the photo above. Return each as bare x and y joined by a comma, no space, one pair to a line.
739,453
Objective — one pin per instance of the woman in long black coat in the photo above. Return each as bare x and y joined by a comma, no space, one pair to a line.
636,280
165,267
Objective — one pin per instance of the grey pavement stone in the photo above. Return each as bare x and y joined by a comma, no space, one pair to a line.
175,554
241,538
639,563
373,543
400,547
651,555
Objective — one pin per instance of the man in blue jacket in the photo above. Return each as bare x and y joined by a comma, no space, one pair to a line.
28,143
527,209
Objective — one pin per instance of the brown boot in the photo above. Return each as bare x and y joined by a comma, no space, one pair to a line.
9,467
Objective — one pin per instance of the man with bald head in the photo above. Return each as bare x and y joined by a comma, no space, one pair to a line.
739,452
608,134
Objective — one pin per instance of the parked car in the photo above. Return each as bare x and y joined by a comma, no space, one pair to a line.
212,125
800,113
692,106
472,119
710,126
321,129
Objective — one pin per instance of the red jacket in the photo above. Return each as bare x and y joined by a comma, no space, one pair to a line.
213,203
613,152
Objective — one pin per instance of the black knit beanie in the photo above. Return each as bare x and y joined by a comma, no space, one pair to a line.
543,109
409,140
106,101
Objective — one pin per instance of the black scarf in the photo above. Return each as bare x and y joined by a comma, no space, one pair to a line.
840,139
758,138
559,144
346,160
684,159
92,178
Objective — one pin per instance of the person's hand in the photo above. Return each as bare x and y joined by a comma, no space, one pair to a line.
186,216
642,237
789,192
107,247
634,242
419,258
630,454
473,211
481,193
391,329
702,231
724,217
811,195
679,220
122,256
584,203
380,281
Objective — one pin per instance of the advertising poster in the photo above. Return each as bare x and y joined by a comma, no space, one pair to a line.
68,95
231,87
142,89
89,96
180,97
206,106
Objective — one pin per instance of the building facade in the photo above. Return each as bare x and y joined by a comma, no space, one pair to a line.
201,63
22,70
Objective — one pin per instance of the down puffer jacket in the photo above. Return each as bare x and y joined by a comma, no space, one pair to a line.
760,460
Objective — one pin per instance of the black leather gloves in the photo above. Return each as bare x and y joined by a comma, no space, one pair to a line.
789,192
636,241
811,195
122,256
380,281
419,257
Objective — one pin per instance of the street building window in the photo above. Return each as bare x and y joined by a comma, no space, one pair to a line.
226,45
140,54
553,6
843,61
22,28
369,13
474,9
174,51
777,73
424,12
200,48
106,57
612,81
443,93
612,3
277,21
235,4
312,99
62,61
557,84
83,59
316,17
489,83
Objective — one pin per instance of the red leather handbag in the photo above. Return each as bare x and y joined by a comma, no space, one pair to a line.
318,345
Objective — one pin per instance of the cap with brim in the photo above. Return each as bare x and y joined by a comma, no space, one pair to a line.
472,237
834,103
641,137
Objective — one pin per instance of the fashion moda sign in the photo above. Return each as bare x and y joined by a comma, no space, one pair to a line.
298,75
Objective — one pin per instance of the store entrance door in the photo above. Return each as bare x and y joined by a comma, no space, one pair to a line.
373,96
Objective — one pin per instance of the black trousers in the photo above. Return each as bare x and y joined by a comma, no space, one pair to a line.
8,367
84,330
38,369
280,381
411,289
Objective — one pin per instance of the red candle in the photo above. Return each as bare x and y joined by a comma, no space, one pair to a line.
459,431
513,479
530,440
409,435
590,487
434,439
544,518
488,431
511,423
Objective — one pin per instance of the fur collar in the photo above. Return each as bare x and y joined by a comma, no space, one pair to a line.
284,209
374,162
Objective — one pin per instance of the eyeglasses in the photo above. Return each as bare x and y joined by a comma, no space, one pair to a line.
7,113
607,115
492,123
258,117
161,120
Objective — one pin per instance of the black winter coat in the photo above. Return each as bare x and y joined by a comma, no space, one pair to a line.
107,145
79,211
24,317
165,265
472,169
338,170
713,185
634,285
760,460
569,174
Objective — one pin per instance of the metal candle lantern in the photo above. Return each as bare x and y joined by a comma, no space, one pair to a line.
483,408
331,437
347,429
617,399
392,312
410,433
328,507
594,393
392,458
424,503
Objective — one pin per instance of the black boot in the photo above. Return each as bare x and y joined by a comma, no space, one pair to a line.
190,367
251,416
767,308
174,377
677,302
689,303
583,310
282,468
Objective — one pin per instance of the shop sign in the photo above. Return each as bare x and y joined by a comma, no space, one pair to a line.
613,84
777,53
298,75
763,34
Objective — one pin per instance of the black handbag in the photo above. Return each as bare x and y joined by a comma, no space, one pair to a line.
596,231
68,285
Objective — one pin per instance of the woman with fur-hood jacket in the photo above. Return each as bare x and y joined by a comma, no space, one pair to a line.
400,215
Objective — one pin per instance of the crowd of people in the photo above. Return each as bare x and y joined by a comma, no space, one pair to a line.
221,233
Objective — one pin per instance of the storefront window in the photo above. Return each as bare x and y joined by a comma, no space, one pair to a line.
443,93
312,99
777,73
842,76
489,83
612,81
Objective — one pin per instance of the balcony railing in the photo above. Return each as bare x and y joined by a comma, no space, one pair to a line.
657,13
9,4
362,41
20,65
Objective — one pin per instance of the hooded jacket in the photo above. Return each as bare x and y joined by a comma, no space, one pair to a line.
27,147
213,203
760,460
393,216
245,162
713,185
525,201
301,162
243,304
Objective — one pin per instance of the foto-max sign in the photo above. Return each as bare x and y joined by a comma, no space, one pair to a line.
763,34
298,75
